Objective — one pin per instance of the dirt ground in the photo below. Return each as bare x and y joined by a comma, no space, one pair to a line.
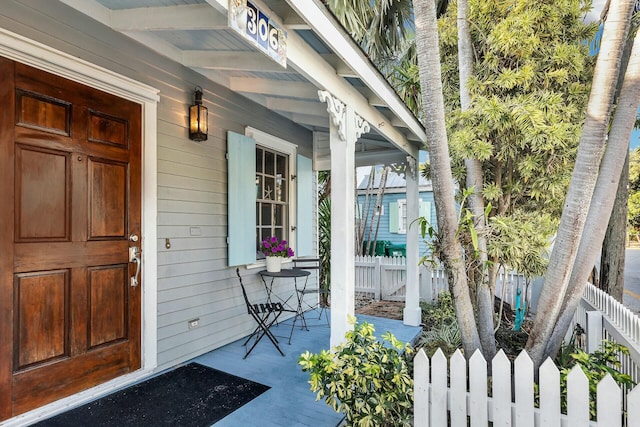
386,309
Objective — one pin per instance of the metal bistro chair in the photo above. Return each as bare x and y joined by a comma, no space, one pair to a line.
303,306
265,314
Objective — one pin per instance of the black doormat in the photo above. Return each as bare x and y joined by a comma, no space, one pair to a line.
190,396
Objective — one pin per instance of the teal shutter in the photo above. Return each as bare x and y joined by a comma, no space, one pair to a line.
241,213
425,210
393,217
304,200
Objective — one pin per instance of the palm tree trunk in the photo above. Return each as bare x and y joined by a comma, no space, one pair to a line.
428,53
604,194
484,297
614,243
581,188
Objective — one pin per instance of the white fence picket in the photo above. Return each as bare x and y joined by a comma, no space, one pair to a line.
501,400
421,390
549,394
609,402
524,390
478,390
633,408
577,397
458,393
439,390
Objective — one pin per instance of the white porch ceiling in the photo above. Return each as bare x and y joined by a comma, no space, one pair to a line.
320,56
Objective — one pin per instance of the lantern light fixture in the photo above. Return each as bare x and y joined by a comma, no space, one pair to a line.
198,116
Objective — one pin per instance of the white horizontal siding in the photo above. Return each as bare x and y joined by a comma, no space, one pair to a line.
193,278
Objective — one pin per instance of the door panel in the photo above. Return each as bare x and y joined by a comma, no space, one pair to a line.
41,317
107,304
45,173
107,199
70,164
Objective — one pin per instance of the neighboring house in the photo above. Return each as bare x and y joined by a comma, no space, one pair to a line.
393,225
120,235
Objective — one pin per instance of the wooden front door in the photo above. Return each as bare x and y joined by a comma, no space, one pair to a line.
70,195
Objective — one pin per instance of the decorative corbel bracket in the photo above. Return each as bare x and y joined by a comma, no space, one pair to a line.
412,165
337,110
362,126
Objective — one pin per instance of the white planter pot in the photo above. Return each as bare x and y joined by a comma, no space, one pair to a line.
274,264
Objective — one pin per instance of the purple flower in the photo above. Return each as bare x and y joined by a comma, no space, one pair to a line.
271,246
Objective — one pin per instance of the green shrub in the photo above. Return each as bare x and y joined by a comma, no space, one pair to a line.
440,312
367,380
595,366
441,327
445,336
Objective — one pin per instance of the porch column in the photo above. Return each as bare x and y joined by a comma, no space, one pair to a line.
412,314
345,128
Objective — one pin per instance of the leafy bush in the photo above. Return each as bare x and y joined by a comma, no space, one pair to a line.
441,312
368,380
446,337
595,366
441,327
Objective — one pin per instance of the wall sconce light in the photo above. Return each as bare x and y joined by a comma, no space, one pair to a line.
198,126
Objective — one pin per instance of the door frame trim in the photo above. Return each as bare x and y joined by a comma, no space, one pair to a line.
38,55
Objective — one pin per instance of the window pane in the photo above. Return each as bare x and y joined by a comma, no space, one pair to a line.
280,188
266,215
279,215
259,160
269,163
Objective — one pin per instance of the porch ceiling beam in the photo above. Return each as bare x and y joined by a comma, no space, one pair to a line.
315,13
91,8
293,106
156,43
184,17
309,120
274,87
233,60
342,69
371,158
376,101
294,22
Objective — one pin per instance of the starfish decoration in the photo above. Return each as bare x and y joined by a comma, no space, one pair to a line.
267,193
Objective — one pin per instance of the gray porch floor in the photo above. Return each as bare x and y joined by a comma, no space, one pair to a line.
289,402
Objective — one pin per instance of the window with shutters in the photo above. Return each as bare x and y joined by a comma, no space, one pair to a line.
398,222
270,193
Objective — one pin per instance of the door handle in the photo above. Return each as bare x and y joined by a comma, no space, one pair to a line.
134,256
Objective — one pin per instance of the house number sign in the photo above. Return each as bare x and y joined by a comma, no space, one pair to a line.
257,24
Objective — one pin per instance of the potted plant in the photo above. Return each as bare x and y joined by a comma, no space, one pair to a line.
275,250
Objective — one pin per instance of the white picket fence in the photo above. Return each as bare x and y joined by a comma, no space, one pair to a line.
442,398
384,278
603,317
